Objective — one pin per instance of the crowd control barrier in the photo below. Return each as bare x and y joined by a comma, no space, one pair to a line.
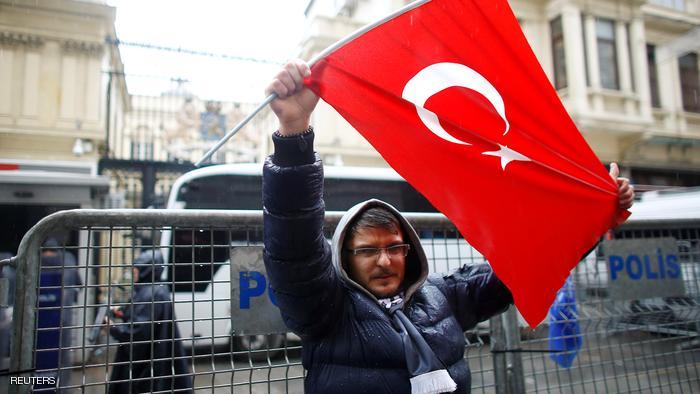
627,320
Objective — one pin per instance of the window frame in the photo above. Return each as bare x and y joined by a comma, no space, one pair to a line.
653,71
693,82
607,80
558,47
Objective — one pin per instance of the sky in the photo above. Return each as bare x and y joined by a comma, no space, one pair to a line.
270,30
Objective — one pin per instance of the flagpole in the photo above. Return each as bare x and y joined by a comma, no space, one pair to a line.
365,29
313,61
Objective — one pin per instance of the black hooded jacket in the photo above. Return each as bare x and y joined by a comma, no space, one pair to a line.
349,342
147,335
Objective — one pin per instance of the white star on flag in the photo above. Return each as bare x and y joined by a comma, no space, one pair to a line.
507,155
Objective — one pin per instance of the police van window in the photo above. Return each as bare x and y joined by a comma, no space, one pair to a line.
222,192
341,194
413,201
245,192
197,255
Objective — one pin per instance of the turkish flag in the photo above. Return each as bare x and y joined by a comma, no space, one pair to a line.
451,95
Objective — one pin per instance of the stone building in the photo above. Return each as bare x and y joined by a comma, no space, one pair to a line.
53,89
626,71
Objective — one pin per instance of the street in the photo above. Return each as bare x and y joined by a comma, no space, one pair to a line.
608,362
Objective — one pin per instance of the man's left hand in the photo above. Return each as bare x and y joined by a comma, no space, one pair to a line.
625,191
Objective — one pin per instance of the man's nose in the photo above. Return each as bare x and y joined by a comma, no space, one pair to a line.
383,259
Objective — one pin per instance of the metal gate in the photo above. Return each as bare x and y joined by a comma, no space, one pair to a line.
139,183
639,345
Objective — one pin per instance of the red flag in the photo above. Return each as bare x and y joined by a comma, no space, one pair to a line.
452,97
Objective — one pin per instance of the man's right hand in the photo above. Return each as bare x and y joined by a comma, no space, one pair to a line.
117,312
294,103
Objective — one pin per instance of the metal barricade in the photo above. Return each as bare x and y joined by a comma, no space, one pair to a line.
77,354
60,339
629,340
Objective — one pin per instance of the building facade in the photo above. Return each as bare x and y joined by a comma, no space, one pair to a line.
53,89
626,71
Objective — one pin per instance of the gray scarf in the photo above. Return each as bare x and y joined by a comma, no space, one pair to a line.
428,373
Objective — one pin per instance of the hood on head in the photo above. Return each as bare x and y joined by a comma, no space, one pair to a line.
51,243
52,254
150,265
416,262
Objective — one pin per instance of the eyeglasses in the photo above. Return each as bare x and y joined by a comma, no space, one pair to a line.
393,252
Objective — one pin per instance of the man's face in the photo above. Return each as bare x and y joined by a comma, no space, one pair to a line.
381,275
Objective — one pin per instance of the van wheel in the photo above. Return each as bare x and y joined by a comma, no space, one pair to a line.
260,346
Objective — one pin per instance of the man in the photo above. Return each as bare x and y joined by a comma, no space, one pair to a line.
60,282
370,317
53,255
151,357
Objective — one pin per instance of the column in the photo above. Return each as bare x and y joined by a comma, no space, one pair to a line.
591,43
669,88
50,80
639,64
623,65
575,66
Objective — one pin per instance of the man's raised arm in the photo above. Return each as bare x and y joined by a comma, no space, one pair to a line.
297,256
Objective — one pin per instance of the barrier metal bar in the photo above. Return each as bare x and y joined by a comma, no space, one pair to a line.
498,349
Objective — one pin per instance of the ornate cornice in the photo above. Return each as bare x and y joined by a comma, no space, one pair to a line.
14,39
32,41
83,47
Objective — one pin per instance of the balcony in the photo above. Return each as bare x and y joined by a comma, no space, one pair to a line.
678,5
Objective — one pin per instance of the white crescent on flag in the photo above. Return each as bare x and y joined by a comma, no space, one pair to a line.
440,76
